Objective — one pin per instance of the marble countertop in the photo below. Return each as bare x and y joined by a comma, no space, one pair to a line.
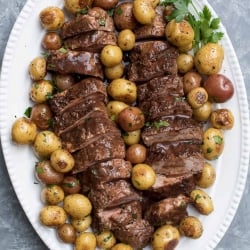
16,233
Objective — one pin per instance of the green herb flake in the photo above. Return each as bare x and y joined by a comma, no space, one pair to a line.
49,96
69,184
84,11
102,21
209,150
159,124
119,11
27,112
39,170
218,139
45,54
198,196
63,50
111,12
106,239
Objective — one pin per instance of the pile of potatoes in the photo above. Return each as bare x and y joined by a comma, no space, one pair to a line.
68,211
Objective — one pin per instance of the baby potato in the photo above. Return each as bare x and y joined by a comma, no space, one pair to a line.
41,115
126,40
123,90
213,143
63,81
52,18
136,153
52,41
197,97
185,48
37,68
85,241
114,108
131,119
83,224
77,205
154,3
52,216
191,227
52,194
165,237
143,176
131,138
105,4
208,60
111,55
75,6
222,119
203,113
114,72
105,240
143,11
66,233
185,63
121,246
191,80
71,185
202,201
179,34
62,161
41,91
207,176
46,174
45,143
23,131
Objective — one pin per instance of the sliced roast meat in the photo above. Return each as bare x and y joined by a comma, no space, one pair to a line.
77,92
155,30
172,129
87,130
137,234
112,194
113,218
92,41
165,187
107,147
165,107
176,158
160,87
167,211
95,19
114,169
75,62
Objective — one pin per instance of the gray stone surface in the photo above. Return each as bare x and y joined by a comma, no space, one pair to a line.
16,233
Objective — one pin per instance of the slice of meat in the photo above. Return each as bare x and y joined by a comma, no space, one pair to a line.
165,187
160,87
77,92
75,62
176,158
172,129
92,41
167,211
165,107
112,194
137,234
107,147
114,169
113,218
87,130
95,19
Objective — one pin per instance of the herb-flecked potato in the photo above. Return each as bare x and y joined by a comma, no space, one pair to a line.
203,113
123,90
191,80
143,11
37,68
191,227
71,184
207,176
126,39
196,97
85,241
136,153
165,237
23,131
52,41
114,72
41,91
83,224
185,63
213,143
63,81
179,33
105,4
105,240
66,233
202,201
121,246
53,216
222,119
111,55
114,108
131,138
52,18
52,194
75,6
209,58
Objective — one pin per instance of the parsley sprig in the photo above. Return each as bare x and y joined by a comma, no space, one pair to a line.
204,25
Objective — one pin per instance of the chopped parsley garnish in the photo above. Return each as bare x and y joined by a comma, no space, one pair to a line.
119,11
63,50
28,112
102,21
218,139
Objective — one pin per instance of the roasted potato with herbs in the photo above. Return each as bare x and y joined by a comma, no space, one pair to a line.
75,6
52,18
105,240
83,224
165,237
207,176
136,153
222,119
191,80
123,90
41,91
114,108
37,68
52,194
131,138
185,63
121,246
105,4
85,241
114,72
213,143
111,55
53,216
71,185
23,131
66,233
52,41
202,201
196,97
209,58
191,227
143,11
203,113
63,81
179,34
126,40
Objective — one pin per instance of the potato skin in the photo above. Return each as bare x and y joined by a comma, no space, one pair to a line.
114,108
114,72
191,227
105,240
191,80
105,4
222,119
131,138
126,39
85,241
52,194
203,113
143,11
74,6
83,224
185,63
37,68
136,153
41,91
71,185
121,246
208,60
197,97
207,176
52,41
66,233
111,55
64,81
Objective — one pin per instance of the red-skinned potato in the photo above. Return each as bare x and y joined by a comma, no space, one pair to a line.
219,88
105,4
